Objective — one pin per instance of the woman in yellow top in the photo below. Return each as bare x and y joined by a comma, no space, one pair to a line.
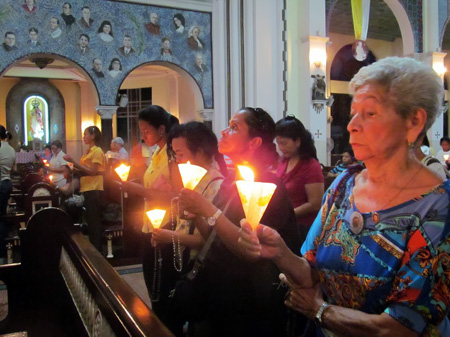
91,167
154,125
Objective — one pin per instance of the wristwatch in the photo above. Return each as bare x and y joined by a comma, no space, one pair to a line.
318,319
213,219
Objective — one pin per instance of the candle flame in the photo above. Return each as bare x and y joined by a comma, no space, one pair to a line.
246,173
123,171
156,217
50,177
255,196
446,156
191,174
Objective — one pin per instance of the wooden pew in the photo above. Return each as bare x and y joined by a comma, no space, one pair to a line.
65,287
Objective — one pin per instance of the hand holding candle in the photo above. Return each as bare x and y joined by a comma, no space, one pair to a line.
191,174
123,171
156,217
255,196
446,156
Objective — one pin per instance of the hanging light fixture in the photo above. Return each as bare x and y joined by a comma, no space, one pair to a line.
42,62
360,15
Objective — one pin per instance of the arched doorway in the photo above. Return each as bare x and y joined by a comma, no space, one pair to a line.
386,37
69,91
158,83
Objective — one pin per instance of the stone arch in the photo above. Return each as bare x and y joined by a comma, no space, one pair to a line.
14,107
409,42
194,83
42,87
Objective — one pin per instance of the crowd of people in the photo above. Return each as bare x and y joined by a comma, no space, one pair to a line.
367,256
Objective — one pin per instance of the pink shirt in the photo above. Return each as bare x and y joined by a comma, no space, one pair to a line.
305,172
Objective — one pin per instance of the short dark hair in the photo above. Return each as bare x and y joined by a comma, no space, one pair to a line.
103,24
67,3
32,29
54,17
87,7
291,127
112,61
444,139
86,36
4,134
56,143
9,33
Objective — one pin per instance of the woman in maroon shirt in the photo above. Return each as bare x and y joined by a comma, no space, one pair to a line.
300,170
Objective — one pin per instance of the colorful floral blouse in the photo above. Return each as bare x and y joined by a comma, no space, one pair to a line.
398,264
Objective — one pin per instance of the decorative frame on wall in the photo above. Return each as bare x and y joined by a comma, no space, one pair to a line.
108,39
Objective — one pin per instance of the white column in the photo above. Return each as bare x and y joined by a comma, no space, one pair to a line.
263,48
307,43
221,73
433,57
106,111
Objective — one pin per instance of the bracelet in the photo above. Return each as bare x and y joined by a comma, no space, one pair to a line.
318,319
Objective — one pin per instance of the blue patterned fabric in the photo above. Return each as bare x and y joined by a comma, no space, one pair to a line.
398,264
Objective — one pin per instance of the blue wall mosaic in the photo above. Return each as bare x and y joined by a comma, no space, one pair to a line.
108,26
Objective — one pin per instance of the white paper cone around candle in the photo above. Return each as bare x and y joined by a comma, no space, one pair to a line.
123,171
255,196
446,156
70,165
156,217
191,175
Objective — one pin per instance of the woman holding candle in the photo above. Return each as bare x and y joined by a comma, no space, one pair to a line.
91,168
56,163
242,298
300,170
375,261
196,143
155,124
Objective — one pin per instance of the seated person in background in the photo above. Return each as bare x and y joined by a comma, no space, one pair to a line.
348,158
117,152
70,193
431,162
445,144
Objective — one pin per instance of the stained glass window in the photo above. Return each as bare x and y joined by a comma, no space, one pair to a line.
35,119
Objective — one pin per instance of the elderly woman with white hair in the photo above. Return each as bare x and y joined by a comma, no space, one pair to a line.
376,259
118,151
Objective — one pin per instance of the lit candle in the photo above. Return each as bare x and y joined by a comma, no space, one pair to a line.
446,156
191,174
46,164
156,217
50,177
123,171
255,196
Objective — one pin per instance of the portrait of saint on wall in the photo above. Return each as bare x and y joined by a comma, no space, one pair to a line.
131,34
35,118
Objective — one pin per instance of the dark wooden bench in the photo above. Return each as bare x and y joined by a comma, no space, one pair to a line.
65,287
